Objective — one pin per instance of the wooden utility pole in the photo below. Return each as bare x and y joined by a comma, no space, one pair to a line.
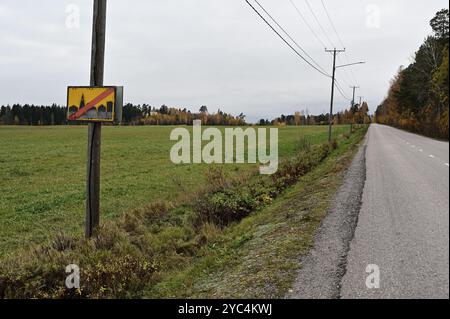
353,105
360,100
330,117
95,129
354,91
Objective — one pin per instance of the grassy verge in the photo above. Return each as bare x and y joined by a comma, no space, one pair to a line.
259,257
146,252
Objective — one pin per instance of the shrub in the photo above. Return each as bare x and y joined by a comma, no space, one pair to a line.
225,202
304,144
112,264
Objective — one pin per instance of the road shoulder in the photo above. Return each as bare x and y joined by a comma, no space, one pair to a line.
324,267
259,256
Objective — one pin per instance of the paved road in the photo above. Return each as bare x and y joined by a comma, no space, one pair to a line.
403,225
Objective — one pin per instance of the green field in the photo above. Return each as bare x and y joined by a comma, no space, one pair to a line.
42,175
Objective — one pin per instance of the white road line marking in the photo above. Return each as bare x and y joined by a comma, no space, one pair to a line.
447,164
432,156
421,150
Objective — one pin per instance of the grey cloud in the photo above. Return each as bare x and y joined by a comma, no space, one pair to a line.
214,52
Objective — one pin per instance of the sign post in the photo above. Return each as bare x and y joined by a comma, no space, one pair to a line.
95,129
95,104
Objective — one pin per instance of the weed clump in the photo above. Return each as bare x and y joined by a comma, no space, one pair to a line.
112,264
223,202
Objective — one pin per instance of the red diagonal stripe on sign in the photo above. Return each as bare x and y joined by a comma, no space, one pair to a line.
92,104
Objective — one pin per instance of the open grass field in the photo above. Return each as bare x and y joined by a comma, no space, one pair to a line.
42,175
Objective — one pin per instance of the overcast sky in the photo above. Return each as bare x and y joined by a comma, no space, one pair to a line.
188,53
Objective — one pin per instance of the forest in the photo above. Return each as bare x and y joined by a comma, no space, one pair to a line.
417,100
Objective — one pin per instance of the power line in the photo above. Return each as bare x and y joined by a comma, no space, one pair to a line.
307,24
338,85
318,22
338,37
318,69
351,69
289,36
341,91
332,24
285,41
348,78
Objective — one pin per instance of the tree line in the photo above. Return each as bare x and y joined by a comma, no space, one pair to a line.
418,96
145,114
32,115
176,116
356,114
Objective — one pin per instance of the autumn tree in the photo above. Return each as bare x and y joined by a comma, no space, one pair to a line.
418,97
440,24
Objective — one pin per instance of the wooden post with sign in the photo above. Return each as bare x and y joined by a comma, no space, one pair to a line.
95,129
95,104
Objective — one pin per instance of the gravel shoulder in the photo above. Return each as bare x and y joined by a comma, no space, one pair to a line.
324,267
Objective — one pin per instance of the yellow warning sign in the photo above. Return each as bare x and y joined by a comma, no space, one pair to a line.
92,104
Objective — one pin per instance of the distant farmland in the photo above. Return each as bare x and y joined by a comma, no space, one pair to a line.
42,175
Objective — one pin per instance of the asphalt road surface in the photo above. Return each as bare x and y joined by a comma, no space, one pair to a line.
403,224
